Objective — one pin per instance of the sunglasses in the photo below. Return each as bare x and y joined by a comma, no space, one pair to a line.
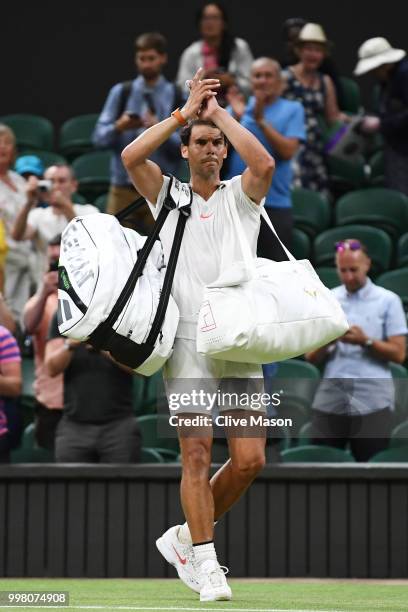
344,245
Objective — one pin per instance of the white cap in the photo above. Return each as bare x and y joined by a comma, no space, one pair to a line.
374,53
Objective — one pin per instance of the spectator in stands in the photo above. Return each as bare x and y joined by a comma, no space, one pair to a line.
291,30
222,56
97,423
10,389
280,126
390,68
18,269
306,84
129,109
354,402
43,224
38,314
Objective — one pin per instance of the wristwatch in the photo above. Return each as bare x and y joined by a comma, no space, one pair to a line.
368,343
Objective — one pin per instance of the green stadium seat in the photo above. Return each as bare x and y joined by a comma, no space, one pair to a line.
385,209
150,455
101,202
77,198
400,378
399,435
31,131
328,276
29,451
157,432
346,175
296,368
28,373
298,380
378,243
398,454
316,454
76,135
377,169
168,455
293,407
311,211
396,281
402,251
153,392
48,158
301,247
93,173
305,433
351,96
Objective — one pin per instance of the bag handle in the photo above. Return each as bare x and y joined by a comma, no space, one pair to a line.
245,248
266,218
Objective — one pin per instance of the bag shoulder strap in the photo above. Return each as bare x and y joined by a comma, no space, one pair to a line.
269,223
245,248
179,98
104,330
124,96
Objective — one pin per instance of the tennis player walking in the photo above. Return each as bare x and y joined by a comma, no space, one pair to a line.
208,234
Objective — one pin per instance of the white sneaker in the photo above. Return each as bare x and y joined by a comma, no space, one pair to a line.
181,556
215,586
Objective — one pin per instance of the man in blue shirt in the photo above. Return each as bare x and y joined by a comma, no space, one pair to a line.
130,108
279,124
354,402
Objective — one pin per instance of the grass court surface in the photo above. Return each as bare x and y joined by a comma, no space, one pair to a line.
261,595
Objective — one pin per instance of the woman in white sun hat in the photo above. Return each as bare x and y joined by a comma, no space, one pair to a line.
390,68
307,84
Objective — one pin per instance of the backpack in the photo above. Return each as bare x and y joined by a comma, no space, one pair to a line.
114,286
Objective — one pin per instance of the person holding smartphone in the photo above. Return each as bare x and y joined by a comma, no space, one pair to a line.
130,109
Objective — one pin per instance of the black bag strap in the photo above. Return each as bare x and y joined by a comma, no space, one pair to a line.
104,330
169,276
179,97
135,205
124,96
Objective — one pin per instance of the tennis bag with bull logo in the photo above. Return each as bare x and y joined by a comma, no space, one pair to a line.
114,287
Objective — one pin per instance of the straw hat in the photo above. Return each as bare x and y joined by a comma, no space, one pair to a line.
312,32
374,53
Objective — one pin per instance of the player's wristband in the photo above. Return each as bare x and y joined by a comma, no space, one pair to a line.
177,115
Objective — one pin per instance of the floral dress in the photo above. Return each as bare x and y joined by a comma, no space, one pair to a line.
310,167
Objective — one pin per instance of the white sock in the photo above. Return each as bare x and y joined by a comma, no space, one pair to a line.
184,535
204,552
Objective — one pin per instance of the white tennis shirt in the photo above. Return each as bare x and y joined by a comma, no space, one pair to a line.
209,243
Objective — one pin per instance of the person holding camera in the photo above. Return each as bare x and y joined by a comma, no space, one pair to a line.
37,317
15,257
42,224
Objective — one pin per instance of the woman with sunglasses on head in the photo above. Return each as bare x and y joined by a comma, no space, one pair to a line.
306,83
355,401
221,55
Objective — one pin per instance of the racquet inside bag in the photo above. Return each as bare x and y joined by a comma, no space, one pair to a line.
261,311
115,288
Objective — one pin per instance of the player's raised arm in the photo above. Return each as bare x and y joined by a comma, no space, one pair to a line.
257,177
145,174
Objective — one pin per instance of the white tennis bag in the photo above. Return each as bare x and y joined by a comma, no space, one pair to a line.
114,287
260,311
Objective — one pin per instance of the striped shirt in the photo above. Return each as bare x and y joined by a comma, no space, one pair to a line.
9,353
